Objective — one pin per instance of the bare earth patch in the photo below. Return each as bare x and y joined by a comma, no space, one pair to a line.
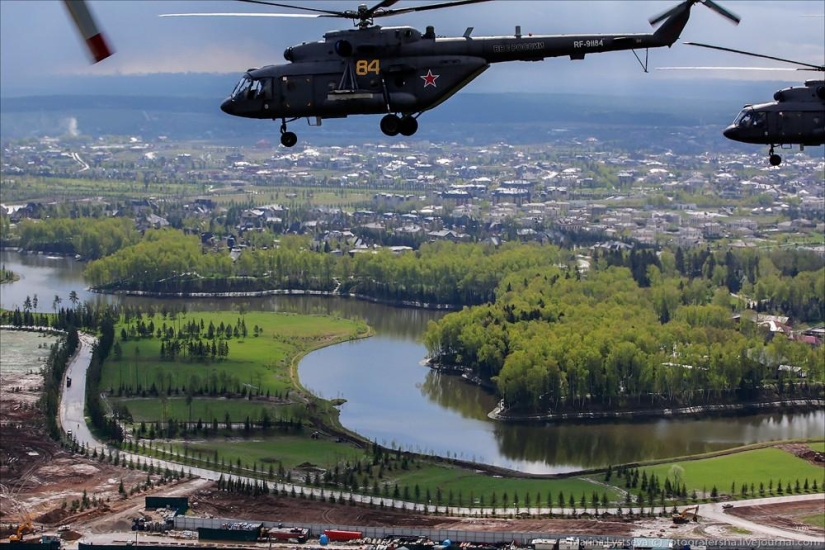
297,511
786,515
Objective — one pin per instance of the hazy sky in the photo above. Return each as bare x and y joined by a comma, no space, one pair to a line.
37,39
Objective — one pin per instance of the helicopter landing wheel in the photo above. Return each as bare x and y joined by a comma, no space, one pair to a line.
391,125
774,159
408,125
289,139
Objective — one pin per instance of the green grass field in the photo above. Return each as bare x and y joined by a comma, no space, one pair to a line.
205,409
482,486
817,520
259,365
818,446
289,450
751,467
292,451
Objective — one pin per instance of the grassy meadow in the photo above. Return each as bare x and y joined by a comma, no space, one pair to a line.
257,371
817,446
205,409
766,466
816,520
302,453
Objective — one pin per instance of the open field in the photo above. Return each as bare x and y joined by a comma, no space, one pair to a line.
766,466
290,451
287,192
817,520
204,409
257,365
818,447
483,486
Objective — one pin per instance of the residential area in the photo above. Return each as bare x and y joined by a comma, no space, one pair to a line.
406,194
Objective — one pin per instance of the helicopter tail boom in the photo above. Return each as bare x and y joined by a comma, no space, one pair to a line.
537,47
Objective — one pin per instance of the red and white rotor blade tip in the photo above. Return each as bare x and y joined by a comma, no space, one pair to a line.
87,27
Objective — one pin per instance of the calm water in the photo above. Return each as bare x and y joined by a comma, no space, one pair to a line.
393,399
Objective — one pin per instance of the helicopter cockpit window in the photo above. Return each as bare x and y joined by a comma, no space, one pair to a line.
744,119
243,87
255,90
750,119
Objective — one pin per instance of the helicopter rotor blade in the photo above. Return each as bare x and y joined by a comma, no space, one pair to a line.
245,14
428,7
729,15
86,26
687,4
729,69
808,66
328,13
382,6
672,11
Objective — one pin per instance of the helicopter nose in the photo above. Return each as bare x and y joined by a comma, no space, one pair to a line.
731,132
228,106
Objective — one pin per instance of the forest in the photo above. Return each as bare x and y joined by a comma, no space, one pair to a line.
641,330
445,273
91,238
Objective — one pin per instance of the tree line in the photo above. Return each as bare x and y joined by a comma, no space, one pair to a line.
92,238
559,339
438,273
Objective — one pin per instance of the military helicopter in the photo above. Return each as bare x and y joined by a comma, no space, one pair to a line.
88,29
795,117
401,72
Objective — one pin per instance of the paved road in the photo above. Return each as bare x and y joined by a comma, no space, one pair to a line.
71,418
73,399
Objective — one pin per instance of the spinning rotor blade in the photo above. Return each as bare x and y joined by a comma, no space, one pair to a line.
363,14
672,11
729,15
728,69
243,14
329,13
428,7
807,66
381,6
687,4
86,26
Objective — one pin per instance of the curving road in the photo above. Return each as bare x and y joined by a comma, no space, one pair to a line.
72,419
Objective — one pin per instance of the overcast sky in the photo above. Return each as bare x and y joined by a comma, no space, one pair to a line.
37,39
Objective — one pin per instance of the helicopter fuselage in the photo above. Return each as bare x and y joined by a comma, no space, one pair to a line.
379,70
796,117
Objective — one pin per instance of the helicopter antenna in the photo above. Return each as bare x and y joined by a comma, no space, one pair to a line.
802,66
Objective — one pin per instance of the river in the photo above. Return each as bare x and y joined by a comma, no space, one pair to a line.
391,398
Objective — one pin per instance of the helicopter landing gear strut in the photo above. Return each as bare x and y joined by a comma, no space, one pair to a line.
288,139
392,125
774,159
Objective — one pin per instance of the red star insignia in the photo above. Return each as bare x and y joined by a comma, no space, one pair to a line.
429,78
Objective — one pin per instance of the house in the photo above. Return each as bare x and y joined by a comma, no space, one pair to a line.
447,235
791,370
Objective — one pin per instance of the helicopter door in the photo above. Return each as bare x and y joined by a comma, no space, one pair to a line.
261,93
297,95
